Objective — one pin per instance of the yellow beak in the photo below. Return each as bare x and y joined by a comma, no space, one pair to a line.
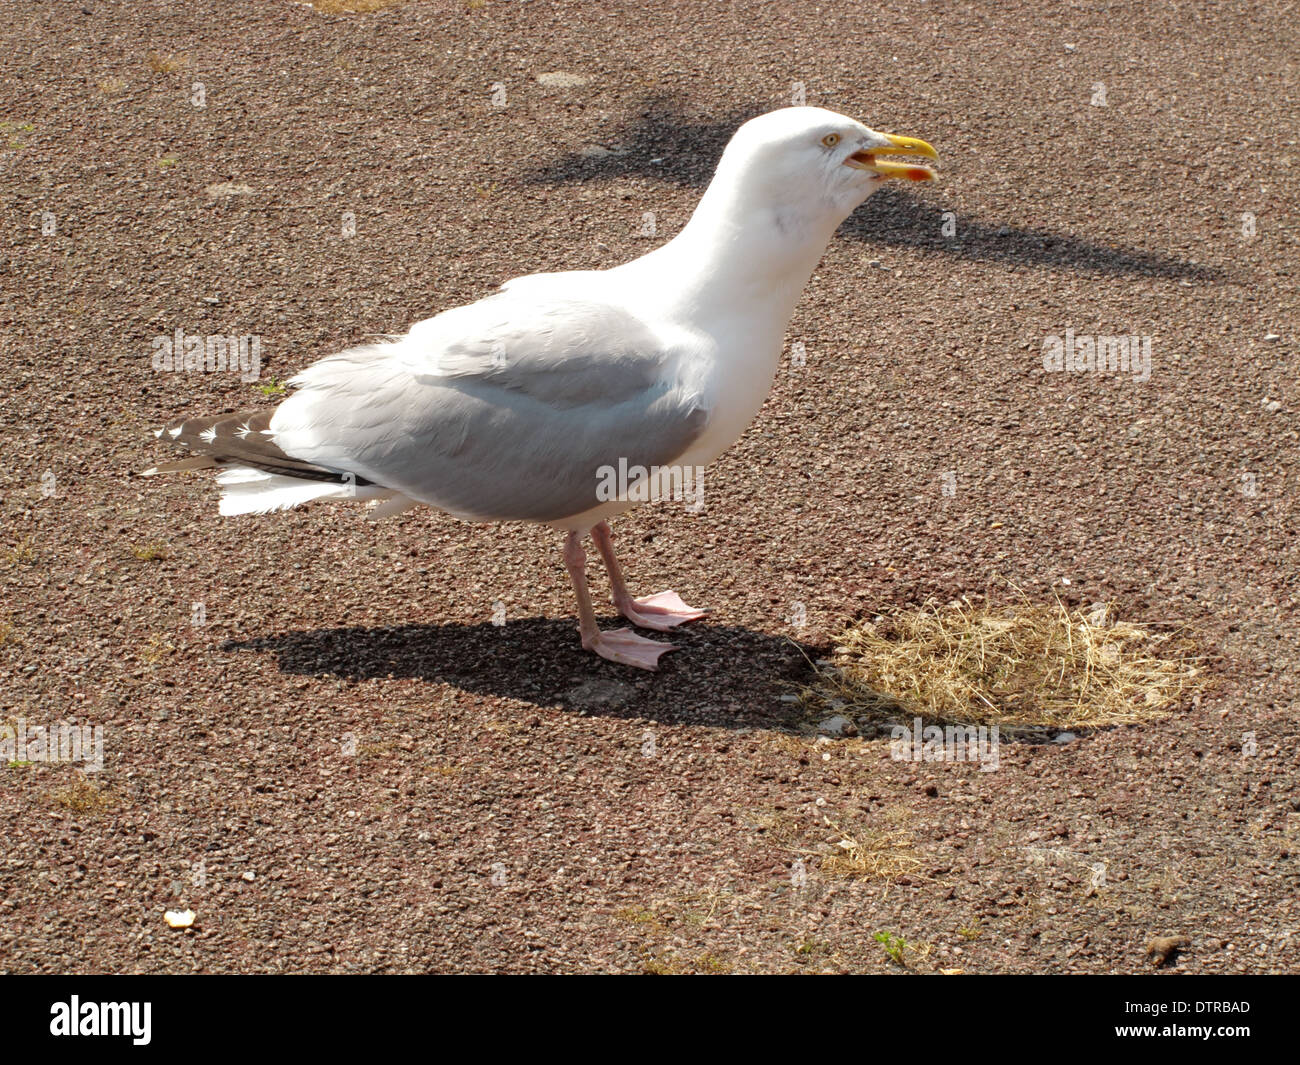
867,160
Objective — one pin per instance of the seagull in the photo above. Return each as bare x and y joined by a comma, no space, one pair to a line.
518,407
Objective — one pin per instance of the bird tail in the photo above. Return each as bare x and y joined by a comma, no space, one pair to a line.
257,476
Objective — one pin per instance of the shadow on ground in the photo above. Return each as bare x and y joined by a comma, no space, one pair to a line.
723,676
688,151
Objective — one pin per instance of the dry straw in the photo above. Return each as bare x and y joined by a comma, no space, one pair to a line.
869,855
1021,665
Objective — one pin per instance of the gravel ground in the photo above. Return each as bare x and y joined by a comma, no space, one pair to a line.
348,767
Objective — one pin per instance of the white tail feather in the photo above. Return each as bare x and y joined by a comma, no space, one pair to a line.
248,491
394,505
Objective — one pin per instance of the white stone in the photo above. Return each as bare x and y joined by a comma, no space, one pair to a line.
228,188
562,79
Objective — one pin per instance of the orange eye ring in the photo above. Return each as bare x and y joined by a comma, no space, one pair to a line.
831,139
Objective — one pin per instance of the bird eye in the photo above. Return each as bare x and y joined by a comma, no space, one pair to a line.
831,139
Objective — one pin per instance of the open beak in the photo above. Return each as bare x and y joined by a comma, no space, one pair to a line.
869,159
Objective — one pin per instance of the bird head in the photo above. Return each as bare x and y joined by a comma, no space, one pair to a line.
811,156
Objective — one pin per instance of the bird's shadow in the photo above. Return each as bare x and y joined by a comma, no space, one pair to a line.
662,143
722,676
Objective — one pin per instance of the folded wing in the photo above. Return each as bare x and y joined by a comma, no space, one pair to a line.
506,409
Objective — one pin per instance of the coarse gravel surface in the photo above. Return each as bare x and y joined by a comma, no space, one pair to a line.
315,736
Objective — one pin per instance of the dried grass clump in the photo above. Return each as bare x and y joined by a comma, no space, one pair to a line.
1021,665
862,855
84,797
166,64
352,7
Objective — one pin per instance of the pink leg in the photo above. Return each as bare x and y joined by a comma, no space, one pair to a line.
619,645
662,611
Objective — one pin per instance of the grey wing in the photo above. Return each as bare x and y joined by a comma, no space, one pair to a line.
507,409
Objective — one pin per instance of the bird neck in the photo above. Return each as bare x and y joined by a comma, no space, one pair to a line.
736,257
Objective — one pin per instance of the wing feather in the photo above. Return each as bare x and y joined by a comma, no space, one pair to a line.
506,409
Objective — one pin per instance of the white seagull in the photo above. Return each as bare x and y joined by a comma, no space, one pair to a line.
517,407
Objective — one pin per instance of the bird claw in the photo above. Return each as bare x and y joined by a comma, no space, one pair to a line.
627,648
662,611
